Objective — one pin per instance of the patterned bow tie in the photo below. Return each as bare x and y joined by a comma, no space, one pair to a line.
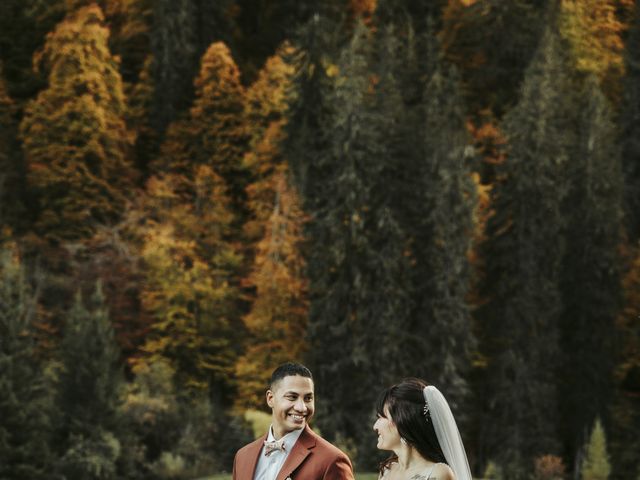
270,447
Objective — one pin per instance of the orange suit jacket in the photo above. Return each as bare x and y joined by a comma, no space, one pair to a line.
312,458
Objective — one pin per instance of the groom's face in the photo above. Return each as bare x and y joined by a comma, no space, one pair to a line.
292,404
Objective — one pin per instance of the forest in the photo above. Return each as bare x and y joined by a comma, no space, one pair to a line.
193,192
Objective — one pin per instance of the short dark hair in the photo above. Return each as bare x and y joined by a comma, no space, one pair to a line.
405,402
289,369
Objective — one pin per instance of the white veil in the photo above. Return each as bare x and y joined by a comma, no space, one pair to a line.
447,432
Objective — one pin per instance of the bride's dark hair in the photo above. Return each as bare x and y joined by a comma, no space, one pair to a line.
406,402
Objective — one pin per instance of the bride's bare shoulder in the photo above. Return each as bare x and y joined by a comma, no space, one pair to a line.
442,471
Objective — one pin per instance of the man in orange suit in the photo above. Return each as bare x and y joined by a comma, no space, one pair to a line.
290,450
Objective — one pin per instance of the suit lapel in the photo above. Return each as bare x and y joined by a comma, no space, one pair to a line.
248,469
301,450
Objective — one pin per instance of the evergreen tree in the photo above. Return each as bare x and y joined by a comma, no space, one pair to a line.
441,239
596,463
492,42
591,282
521,289
25,403
357,269
630,126
310,114
89,390
75,140
626,407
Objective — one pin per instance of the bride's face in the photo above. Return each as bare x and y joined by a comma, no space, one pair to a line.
388,436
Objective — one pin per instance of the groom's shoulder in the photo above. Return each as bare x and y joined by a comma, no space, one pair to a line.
252,445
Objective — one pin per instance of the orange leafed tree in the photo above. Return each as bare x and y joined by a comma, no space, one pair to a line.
75,140
594,33
278,318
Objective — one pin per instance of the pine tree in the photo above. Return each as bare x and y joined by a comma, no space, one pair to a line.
75,140
25,403
525,245
357,269
492,42
441,239
596,463
89,390
591,283
626,407
630,124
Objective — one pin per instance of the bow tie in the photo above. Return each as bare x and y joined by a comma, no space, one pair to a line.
270,447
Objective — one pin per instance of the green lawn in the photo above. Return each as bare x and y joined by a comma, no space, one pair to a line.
359,476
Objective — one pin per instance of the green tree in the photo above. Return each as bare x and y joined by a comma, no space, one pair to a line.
74,137
357,269
521,289
25,400
630,125
626,406
91,381
591,278
441,238
596,463
492,42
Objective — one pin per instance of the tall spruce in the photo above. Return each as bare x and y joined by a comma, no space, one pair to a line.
441,238
630,129
625,410
75,140
91,381
591,283
491,43
357,269
524,251
25,402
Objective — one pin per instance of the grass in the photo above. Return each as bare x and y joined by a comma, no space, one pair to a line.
359,476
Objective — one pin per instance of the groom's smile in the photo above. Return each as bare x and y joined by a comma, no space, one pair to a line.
292,403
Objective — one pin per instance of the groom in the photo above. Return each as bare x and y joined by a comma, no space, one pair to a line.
290,450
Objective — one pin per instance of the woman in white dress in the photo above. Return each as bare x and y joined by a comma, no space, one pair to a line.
416,424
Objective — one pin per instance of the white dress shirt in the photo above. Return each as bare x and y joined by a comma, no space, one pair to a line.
269,467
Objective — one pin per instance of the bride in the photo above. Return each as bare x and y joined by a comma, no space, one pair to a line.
416,424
